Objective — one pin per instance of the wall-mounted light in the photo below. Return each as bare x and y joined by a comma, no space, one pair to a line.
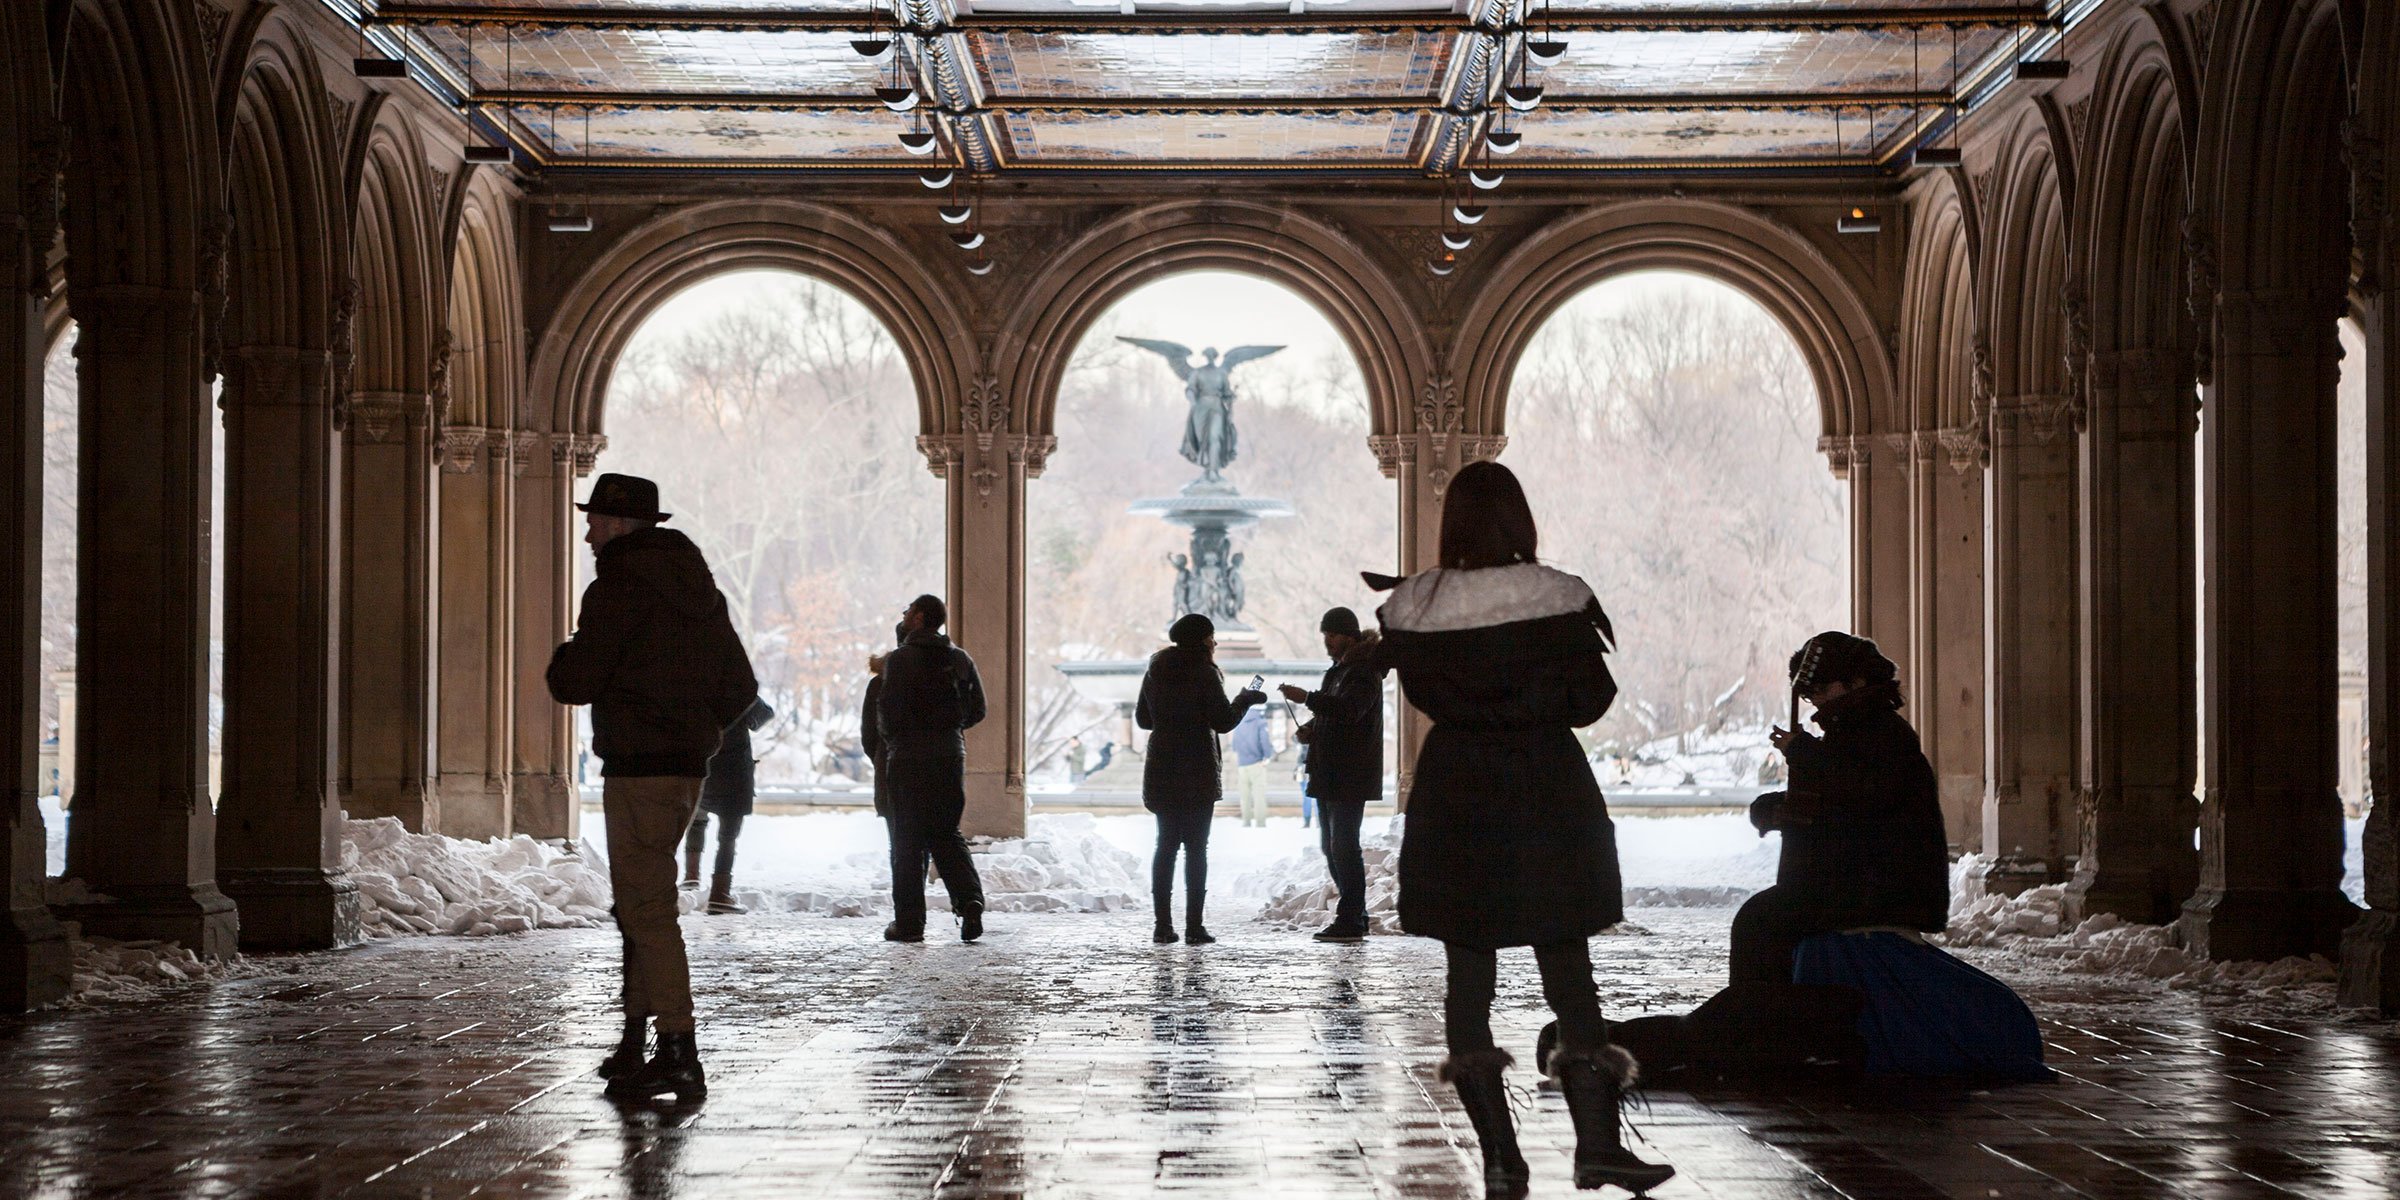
576,222
1858,220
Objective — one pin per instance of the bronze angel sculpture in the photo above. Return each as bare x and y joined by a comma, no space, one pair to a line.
1208,437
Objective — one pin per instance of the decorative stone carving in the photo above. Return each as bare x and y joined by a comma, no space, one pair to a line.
1844,454
212,29
216,252
2075,322
2204,27
985,410
2362,151
1031,453
437,181
1439,409
942,452
587,447
342,108
462,449
1389,451
1969,446
522,446
379,417
2200,270
437,376
342,340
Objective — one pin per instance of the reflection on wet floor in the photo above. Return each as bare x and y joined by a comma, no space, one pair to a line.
1068,1057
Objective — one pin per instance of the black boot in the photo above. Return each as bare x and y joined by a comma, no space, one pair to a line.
1476,1075
897,932
1194,933
676,1069
1594,1082
970,920
1162,928
631,1049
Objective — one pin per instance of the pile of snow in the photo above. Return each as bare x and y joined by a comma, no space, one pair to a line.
425,883
107,970
1725,758
1300,892
2032,924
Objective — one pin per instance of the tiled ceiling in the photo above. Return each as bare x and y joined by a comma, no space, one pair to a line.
1324,85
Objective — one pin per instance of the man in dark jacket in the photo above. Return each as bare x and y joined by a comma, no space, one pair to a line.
1345,761
727,795
656,656
931,696
1863,844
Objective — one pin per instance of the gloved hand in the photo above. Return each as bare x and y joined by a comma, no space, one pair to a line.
1766,813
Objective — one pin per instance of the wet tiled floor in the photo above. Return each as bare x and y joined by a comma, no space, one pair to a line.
1067,1057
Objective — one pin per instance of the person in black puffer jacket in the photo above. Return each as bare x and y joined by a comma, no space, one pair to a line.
1861,820
1183,705
930,697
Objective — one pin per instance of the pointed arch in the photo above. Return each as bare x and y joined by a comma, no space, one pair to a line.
483,361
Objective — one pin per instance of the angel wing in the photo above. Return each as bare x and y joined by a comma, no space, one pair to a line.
1242,354
1178,357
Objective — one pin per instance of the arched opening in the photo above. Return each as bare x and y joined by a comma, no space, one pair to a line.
1129,527
2351,745
1664,425
56,683
778,416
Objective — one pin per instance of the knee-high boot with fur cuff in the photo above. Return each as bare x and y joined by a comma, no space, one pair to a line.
1476,1075
1594,1082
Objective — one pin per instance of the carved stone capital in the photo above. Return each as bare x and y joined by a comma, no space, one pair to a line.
586,448
1845,454
1032,452
1481,448
381,417
1968,446
463,449
943,452
523,446
1386,449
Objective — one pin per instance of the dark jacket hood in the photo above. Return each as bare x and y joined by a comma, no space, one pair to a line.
664,562
1364,649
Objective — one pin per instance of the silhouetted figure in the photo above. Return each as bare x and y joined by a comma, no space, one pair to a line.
727,795
1253,749
1861,819
1345,763
1183,705
1508,841
656,656
931,696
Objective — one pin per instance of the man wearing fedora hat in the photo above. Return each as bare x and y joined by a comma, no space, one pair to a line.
656,656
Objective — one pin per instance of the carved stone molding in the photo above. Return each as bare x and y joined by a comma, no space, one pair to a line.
1439,410
381,417
984,412
2200,298
2362,151
212,29
1033,453
1845,454
342,338
2075,321
523,445
258,375
2045,415
1388,450
587,448
942,452
1968,446
462,449
437,376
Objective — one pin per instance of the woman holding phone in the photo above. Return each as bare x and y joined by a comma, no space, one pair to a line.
1183,705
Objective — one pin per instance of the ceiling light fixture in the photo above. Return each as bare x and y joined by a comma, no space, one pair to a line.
871,46
1545,51
1522,97
898,98
967,239
1468,214
1483,181
938,179
956,214
1857,220
378,68
1503,141
917,141
1458,241
1939,156
979,265
1442,264
571,223
2037,68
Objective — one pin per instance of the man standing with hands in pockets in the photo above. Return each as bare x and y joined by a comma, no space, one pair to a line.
1345,761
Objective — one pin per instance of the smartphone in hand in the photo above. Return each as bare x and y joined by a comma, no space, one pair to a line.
1258,683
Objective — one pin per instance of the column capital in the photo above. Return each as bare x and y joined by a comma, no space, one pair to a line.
380,416
462,448
1846,454
586,448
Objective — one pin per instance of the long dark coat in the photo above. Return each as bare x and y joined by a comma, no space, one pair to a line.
931,696
1862,822
1345,727
1183,705
732,783
1507,841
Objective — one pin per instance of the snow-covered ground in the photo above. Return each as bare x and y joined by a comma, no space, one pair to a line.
1727,758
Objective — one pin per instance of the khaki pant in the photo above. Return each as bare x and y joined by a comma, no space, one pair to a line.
1253,784
646,819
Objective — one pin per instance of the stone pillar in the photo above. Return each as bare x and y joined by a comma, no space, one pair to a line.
2138,720
278,818
35,959
1946,621
2270,817
476,624
387,610
2371,946
984,469
143,833
542,767
1876,469
2029,645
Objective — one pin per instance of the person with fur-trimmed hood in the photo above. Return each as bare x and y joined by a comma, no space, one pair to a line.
1508,841
1183,705
1344,736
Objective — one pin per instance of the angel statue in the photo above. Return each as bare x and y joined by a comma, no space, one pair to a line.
1208,438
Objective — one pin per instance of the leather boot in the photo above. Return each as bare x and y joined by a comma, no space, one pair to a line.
970,920
1194,933
631,1049
691,866
1476,1075
1594,1082
1162,929
676,1069
720,896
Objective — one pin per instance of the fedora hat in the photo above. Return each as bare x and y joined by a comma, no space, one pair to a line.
629,496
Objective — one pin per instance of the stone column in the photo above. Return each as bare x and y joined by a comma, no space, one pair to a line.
1876,468
542,765
2138,720
2270,817
387,610
35,959
1946,620
984,469
2029,647
278,818
476,624
2371,946
143,832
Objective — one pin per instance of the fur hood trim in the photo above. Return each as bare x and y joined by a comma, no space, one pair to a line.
1368,642
1443,600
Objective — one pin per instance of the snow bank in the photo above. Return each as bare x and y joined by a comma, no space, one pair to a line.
425,883
112,971
2032,925
1300,893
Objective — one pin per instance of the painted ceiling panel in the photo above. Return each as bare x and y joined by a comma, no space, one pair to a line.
1730,61
679,135
1329,138
1132,67
1650,136
642,60
665,6
1563,7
